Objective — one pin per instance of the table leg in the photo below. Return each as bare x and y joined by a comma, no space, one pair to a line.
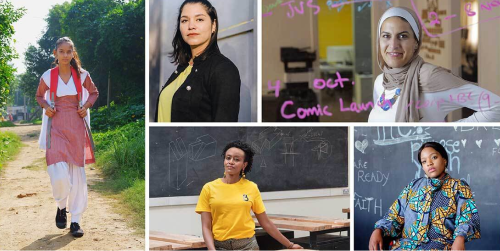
313,240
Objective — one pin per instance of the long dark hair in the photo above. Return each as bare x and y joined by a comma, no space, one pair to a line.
75,61
182,50
246,148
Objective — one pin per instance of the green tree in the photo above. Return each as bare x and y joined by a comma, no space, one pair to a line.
8,16
109,38
38,59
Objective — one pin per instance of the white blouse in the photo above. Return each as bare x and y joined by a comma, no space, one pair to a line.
64,89
434,107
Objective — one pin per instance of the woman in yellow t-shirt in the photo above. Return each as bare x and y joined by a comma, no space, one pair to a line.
225,204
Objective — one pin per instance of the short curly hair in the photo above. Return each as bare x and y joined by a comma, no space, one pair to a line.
246,148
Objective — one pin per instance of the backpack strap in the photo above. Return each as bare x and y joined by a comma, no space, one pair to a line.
54,80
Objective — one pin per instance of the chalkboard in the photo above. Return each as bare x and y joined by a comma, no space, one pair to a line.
386,161
183,159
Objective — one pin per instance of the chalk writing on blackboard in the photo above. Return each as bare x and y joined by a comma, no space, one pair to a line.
203,148
365,175
391,136
182,157
369,204
361,145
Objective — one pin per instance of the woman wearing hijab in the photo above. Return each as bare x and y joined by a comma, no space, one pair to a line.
411,90
436,212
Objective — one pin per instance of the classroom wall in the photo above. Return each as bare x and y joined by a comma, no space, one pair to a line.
280,31
183,219
335,27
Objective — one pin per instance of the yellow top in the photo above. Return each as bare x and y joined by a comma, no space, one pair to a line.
230,206
166,96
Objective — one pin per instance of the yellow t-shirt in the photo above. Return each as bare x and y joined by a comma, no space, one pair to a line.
230,206
166,96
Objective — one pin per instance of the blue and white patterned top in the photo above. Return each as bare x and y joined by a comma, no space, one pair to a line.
430,214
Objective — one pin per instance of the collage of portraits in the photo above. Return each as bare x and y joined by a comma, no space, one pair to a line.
249,124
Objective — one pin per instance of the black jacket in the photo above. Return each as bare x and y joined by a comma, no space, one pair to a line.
211,92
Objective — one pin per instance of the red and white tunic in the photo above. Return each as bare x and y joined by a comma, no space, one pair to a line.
69,140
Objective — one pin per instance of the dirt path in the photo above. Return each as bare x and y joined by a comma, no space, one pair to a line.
28,223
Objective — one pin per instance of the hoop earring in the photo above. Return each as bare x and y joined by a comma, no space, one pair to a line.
242,174
224,175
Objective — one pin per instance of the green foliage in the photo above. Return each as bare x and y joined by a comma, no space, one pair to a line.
135,198
122,43
36,64
109,38
121,154
6,124
9,146
8,16
116,115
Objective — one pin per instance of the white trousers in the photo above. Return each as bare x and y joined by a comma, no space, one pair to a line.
69,187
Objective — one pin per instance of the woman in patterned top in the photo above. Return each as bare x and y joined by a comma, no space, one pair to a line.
435,212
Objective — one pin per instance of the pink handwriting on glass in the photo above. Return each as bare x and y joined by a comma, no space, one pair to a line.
484,100
267,9
319,84
293,9
434,17
319,110
340,4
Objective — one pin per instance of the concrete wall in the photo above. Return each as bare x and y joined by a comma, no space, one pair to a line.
237,40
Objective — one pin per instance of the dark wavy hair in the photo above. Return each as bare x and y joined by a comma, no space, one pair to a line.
75,61
182,50
436,146
246,148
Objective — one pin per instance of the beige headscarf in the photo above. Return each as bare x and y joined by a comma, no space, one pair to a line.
409,78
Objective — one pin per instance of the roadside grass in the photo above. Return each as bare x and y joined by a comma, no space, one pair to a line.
10,144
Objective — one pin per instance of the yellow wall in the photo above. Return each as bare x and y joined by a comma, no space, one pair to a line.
334,28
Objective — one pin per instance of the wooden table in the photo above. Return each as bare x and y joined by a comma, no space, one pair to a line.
164,241
314,225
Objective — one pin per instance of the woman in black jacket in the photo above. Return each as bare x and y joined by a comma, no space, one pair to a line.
206,85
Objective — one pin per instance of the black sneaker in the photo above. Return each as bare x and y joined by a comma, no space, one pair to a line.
61,218
75,229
